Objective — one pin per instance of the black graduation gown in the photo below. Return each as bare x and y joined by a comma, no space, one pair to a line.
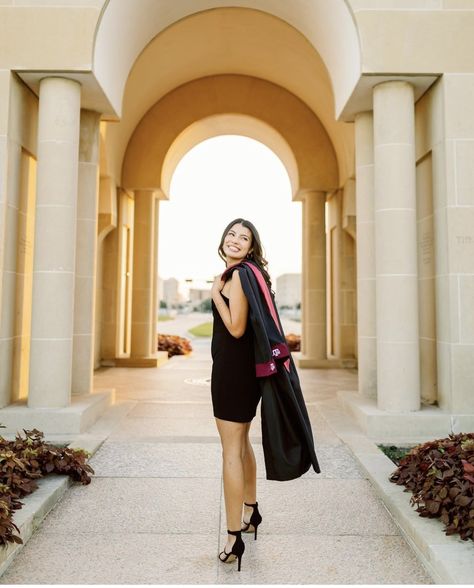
287,437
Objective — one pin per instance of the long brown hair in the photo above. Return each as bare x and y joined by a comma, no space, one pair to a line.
257,254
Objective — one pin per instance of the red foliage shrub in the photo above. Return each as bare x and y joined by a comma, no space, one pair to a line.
440,474
22,462
293,341
174,344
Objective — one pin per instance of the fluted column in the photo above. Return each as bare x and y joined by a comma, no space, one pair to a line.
314,337
398,369
55,244
86,254
144,312
366,326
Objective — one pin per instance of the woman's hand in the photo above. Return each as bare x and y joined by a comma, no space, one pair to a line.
217,285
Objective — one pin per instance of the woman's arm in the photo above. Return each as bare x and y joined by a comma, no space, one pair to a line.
235,315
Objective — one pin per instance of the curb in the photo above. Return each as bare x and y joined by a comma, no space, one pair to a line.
447,558
52,488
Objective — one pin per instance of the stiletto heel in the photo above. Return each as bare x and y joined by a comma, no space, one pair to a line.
255,520
237,549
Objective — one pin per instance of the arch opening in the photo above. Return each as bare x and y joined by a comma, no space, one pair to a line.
218,179
228,124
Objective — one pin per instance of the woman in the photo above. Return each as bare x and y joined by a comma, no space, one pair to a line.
234,387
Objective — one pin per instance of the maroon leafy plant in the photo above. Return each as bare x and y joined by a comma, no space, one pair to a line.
440,474
174,344
25,460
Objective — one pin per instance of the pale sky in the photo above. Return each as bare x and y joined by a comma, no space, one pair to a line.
218,180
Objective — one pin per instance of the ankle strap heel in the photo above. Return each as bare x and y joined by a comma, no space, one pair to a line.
255,519
237,549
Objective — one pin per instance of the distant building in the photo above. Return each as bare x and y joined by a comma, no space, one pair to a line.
171,294
199,294
288,289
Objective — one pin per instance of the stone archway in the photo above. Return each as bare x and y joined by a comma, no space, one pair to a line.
196,111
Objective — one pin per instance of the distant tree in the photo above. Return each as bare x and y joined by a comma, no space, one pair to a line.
204,306
163,304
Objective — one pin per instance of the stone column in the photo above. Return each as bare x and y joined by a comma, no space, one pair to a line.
367,340
86,254
55,244
144,312
314,338
398,361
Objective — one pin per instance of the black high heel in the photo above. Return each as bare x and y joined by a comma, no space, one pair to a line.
237,549
255,519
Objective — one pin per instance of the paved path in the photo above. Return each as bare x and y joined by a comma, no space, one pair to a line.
154,512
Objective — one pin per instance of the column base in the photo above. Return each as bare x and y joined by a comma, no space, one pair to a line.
154,361
426,424
82,413
304,362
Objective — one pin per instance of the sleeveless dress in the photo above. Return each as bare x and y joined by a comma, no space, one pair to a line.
235,390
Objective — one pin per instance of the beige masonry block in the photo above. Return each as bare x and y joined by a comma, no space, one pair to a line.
50,256
424,40
399,176
395,254
367,358
59,161
82,313
427,308
23,127
8,303
357,5
88,178
424,187
464,154
54,307
447,308
315,300
440,220
428,369
395,372
466,309
53,375
458,4
366,312
429,119
426,261
443,162
86,246
47,37
461,239
463,377
445,370
399,293
459,100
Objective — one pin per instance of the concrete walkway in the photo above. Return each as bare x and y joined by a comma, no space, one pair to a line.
154,512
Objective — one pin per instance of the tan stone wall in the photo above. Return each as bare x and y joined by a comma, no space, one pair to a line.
18,128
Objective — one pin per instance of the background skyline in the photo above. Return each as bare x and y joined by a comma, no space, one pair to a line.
220,179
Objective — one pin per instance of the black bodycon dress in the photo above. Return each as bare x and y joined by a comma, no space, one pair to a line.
235,389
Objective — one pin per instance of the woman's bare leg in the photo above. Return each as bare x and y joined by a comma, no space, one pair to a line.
233,440
250,476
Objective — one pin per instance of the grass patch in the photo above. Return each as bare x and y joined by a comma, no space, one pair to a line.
202,330
393,452
163,317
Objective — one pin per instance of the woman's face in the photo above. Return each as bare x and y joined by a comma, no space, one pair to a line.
237,243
